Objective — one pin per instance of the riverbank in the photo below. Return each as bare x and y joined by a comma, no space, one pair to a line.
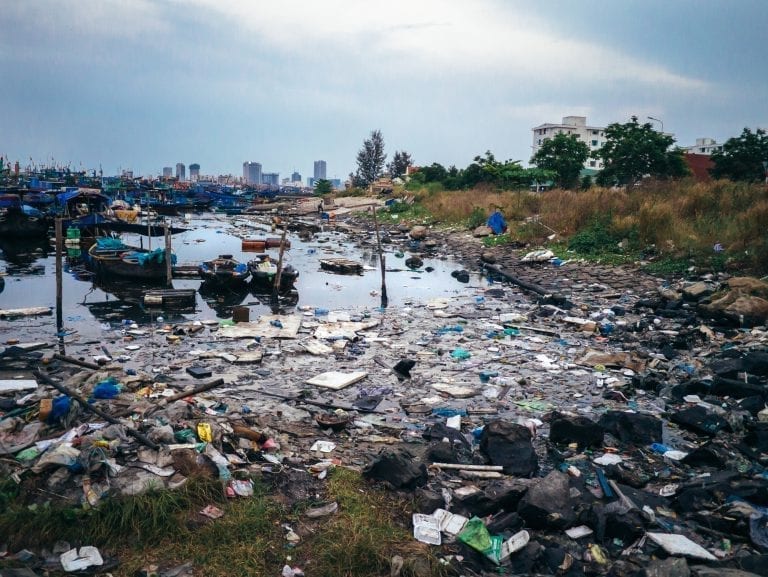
560,402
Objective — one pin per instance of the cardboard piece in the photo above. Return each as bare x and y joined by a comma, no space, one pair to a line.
457,391
336,380
268,326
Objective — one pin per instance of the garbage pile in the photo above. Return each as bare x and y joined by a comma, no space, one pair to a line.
616,432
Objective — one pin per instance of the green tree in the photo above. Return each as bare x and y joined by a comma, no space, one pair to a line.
565,156
400,162
633,151
742,158
435,172
510,174
370,159
323,186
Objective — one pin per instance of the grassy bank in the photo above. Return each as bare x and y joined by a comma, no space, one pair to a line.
672,225
165,528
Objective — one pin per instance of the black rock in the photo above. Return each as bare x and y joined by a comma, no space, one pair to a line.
426,501
757,437
756,362
708,455
505,521
548,503
509,445
699,420
398,468
403,368
632,427
670,567
757,564
737,388
752,405
460,275
575,429
414,262
506,494
627,526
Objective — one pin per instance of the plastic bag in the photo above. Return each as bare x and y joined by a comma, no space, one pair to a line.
476,535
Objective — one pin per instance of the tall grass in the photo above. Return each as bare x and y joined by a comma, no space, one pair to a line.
679,219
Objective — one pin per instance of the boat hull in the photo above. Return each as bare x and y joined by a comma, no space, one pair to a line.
126,263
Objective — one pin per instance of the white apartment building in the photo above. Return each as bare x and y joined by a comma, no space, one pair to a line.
703,146
593,136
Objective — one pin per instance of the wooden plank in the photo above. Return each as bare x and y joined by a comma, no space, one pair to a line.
25,312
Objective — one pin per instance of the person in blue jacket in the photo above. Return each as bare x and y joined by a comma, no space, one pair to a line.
497,223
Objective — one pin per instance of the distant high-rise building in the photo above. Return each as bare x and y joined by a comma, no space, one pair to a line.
270,178
181,172
252,172
319,169
295,177
194,172
167,171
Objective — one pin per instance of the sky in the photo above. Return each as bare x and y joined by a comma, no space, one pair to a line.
141,84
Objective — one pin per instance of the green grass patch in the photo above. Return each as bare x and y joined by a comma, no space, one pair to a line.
369,529
165,528
497,240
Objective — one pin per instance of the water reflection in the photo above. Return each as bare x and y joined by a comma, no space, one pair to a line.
21,256
112,300
207,238
223,298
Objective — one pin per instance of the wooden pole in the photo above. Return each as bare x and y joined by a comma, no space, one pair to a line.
149,225
382,262
279,275
168,256
59,280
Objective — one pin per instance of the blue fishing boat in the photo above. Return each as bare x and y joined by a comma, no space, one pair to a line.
110,257
224,271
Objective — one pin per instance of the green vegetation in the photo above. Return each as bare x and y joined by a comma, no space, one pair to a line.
633,151
564,155
742,158
676,222
370,160
323,186
165,528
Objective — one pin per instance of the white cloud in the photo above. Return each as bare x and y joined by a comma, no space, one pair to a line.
434,36
113,18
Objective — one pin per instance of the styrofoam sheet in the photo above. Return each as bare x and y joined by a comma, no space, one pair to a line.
336,380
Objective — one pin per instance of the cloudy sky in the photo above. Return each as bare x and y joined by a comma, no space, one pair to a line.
142,84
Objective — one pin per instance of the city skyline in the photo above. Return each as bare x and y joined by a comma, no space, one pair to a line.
444,80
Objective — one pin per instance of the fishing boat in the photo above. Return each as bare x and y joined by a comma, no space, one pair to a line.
110,257
263,271
19,220
341,265
224,270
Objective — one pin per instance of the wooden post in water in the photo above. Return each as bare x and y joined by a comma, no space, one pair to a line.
382,262
279,275
59,249
168,255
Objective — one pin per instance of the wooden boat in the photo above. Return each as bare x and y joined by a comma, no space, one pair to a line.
341,265
224,270
110,257
21,221
263,271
